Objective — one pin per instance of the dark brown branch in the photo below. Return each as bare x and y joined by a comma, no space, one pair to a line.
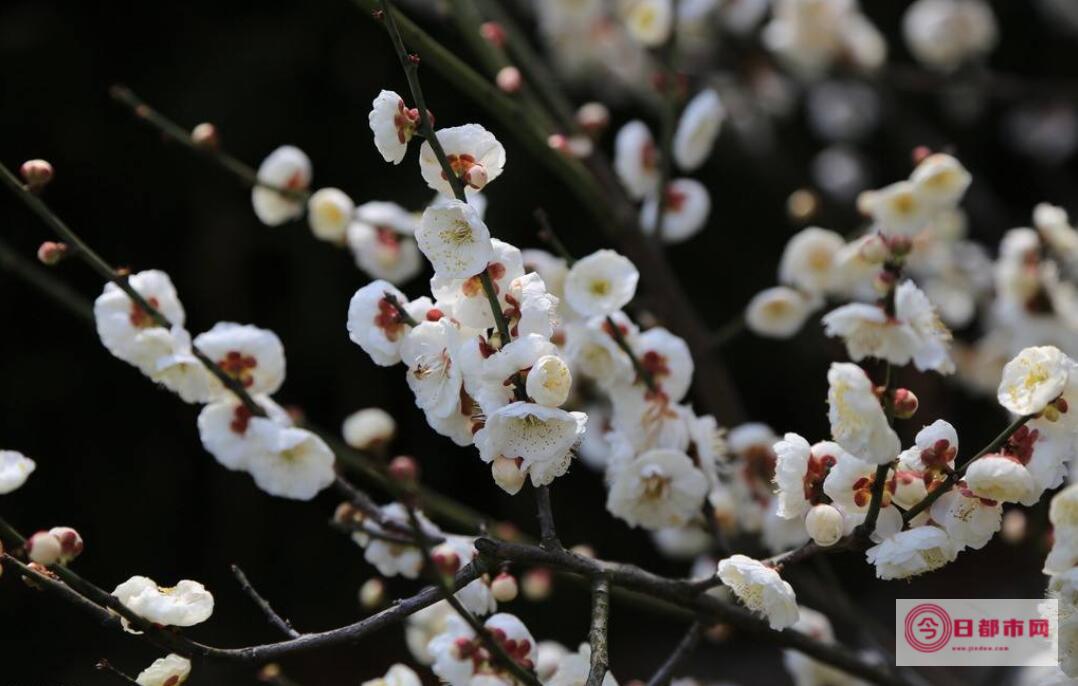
662,676
548,535
104,665
279,622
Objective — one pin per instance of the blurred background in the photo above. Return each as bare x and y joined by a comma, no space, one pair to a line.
121,460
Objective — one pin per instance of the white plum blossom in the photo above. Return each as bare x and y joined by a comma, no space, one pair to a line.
171,670
286,168
1036,377
969,520
649,21
128,331
539,439
858,422
455,240
658,489
636,159
810,35
1002,478
329,212
252,356
452,651
779,312
761,589
594,351
295,463
668,360
912,552
809,260
849,485
473,153
914,333
388,557
422,626
15,469
800,470
825,525
935,448
476,597
601,283
941,180
466,295
224,428
687,205
899,209
533,309
375,325
432,375
186,604
549,381
699,126
943,34
393,124
1063,514
369,429
397,675
383,253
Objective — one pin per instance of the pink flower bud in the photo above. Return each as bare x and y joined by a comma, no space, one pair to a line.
372,594
919,153
900,245
44,548
476,176
445,559
593,117
205,136
51,252
493,33
504,587
36,173
404,469
70,542
537,584
905,403
559,142
509,79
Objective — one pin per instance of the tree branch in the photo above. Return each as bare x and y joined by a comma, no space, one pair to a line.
279,622
662,676
597,637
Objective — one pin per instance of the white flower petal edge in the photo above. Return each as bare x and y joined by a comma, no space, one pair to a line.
15,469
761,589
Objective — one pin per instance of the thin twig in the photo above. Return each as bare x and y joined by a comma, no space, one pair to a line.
282,624
662,676
105,666
597,637
548,534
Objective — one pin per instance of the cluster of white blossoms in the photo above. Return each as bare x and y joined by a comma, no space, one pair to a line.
1061,566
284,460
916,224
809,36
685,202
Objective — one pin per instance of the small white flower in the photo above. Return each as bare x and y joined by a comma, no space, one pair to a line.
850,483
477,596
391,558
466,296
252,356
800,470
393,124
549,381
858,422
455,240
697,129
541,438
329,211
295,463
594,351
15,469
186,604
936,447
649,21
636,159
1000,477
761,589
171,670
601,283
969,520
473,153
912,552
383,253
369,428
687,206
1036,377
809,260
224,428
667,358
778,312
942,34
941,180
129,332
658,489
424,625
453,651
533,310
375,325
432,375
899,209
398,675
287,168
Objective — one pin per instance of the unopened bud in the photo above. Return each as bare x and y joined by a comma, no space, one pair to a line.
44,548
1014,526
559,142
372,594
36,173
404,469
445,559
919,153
874,250
905,403
504,587
476,176
509,79
493,33
593,117
205,136
51,252
507,474
537,584
900,245
824,524
70,542
369,429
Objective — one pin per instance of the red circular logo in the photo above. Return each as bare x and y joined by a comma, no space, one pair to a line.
928,627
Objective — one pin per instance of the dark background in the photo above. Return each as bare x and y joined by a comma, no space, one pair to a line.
121,460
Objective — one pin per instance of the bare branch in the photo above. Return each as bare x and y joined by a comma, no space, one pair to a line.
279,622
662,676
600,618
